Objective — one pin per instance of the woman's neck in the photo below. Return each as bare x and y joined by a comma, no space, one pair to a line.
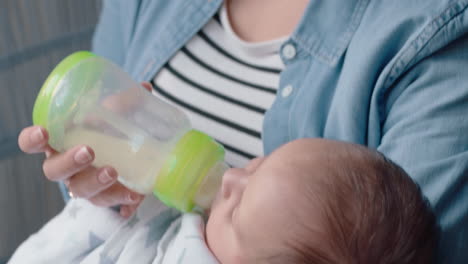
263,20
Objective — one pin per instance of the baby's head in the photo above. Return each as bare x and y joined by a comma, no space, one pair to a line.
321,201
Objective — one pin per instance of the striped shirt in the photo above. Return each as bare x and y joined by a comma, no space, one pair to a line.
224,85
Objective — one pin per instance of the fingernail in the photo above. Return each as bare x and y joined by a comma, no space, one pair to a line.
82,156
104,177
37,135
124,211
132,197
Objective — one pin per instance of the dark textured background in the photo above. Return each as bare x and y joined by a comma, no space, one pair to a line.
34,36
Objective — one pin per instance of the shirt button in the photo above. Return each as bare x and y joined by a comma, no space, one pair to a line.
287,91
289,51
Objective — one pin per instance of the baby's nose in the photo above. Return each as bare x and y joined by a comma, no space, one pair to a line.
234,181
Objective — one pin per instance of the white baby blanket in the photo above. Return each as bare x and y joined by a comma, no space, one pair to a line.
86,234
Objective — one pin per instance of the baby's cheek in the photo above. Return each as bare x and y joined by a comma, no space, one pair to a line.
221,241
214,234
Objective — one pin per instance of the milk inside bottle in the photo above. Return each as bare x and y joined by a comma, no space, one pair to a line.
89,100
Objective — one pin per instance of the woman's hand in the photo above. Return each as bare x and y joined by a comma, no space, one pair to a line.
73,167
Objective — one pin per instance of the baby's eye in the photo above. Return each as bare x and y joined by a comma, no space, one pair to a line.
234,214
235,224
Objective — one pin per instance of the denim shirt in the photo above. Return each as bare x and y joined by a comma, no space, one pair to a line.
391,75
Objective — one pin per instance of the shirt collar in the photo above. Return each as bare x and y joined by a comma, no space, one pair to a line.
327,27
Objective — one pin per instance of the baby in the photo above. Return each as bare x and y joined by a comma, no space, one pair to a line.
311,201
321,201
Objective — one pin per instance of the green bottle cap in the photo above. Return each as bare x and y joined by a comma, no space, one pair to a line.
43,102
185,168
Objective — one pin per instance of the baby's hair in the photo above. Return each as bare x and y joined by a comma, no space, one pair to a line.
372,212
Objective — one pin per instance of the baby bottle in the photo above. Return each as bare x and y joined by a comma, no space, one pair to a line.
89,100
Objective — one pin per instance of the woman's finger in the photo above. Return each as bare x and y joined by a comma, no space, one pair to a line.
91,181
128,210
127,100
116,194
147,86
60,166
33,139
